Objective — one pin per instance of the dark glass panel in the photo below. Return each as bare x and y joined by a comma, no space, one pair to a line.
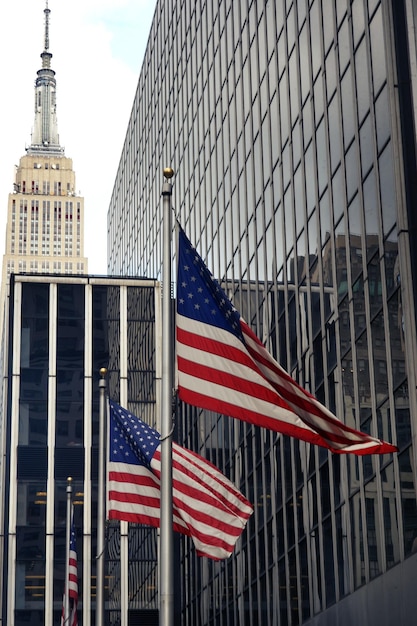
336,469
70,344
292,327
30,545
304,52
341,262
280,531
293,588
71,301
31,503
325,489
396,340
382,119
374,285
69,461
286,445
318,360
357,541
34,342
299,203
372,531
316,567
304,586
331,345
328,31
384,421
387,189
408,501
362,81
313,242
32,461
283,103
35,301
328,561
379,357
322,157
402,415
307,121
341,550
390,516
339,197
33,384
69,424
70,384
378,47
334,133
358,20
315,34
311,179
352,173
293,79
33,423
366,138
31,617
344,325
392,270
348,108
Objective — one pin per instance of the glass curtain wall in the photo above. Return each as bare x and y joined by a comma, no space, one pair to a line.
63,331
281,121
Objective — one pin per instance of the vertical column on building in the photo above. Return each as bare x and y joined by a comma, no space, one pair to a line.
14,439
158,355
50,485
4,324
124,527
88,442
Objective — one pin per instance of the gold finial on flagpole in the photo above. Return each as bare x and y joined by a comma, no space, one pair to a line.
168,172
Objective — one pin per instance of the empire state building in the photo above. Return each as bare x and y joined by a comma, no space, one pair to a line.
45,218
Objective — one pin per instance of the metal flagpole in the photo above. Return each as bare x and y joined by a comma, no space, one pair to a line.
101,500
166,554
67,551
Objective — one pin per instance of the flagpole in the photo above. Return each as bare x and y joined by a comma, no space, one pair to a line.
67,551
101,500
166,555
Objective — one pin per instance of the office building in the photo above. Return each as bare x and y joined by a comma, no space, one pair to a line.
291,129
61,331
45,214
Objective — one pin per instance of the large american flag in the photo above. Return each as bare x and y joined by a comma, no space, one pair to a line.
206,505
223,367
72,583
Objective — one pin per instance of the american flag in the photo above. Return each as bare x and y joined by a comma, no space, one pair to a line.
223,367
72,619
206,505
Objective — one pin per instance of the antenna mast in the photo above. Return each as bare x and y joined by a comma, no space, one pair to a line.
47,12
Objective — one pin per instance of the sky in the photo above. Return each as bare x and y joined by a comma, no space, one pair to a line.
98,48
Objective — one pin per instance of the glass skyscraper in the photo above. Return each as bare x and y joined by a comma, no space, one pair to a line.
291,128
61,331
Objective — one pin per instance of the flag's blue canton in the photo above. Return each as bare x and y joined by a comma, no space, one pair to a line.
130,440
199,295
73,541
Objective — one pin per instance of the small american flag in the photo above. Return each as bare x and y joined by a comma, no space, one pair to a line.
206,505
223,367
72,619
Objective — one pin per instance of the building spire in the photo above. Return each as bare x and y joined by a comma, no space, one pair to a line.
45,137
47,12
